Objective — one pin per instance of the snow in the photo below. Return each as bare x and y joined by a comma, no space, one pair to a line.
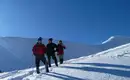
121,39
112,64
115,41
109,39
16,52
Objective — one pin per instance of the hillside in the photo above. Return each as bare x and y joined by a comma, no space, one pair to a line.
18,51
112,64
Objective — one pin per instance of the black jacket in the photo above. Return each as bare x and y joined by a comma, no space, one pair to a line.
51,48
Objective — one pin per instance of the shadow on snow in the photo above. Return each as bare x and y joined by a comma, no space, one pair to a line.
116,72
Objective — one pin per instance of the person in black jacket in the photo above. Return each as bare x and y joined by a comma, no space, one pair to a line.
51,49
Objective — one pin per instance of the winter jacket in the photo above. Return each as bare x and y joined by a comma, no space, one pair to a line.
51,48
39,49
60,49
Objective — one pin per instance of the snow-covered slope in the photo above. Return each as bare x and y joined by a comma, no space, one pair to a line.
16,53
112,64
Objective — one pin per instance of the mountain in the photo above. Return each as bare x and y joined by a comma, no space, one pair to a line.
20,49
112,64
115,41
16,52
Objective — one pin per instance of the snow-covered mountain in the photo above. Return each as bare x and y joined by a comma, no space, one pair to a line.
114,41
117,39
112,64
16,53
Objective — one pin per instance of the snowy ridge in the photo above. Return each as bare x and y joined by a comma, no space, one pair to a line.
102,66
109,39
122,48
117,38
115,41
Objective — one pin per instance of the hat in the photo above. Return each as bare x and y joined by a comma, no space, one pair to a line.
40,39
50,39
60,40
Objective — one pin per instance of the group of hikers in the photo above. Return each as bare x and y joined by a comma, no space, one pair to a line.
39,51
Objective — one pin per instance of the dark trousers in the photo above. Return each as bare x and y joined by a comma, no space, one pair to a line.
61,59
53,57
37,62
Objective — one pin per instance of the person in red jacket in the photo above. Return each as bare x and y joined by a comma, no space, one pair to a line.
60,50
39,50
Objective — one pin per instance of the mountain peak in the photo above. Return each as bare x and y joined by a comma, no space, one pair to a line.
116,38
109,39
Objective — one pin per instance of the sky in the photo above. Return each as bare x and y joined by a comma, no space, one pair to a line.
85,21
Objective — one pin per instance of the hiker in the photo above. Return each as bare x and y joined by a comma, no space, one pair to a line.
51,49
39,50
60,50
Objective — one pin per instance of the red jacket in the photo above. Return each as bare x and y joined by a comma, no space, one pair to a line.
39,49
60,49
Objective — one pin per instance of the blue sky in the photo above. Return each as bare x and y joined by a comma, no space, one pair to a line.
86,21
